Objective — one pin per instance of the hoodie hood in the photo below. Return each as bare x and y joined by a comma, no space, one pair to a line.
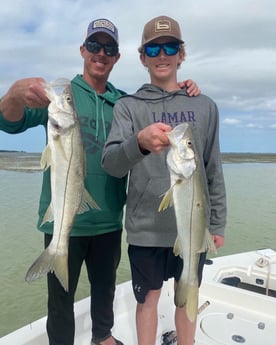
110,96
154,93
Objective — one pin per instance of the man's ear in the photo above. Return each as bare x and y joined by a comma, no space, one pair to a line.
143,60
82,49
117,57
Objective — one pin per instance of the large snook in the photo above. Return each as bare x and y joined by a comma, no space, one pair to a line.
64,154
187,196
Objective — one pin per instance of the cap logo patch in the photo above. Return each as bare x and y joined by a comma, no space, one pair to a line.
102,23
162,25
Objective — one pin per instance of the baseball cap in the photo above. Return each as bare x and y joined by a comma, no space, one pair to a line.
159,27
103,25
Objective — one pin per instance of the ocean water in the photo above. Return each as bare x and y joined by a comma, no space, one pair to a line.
251,198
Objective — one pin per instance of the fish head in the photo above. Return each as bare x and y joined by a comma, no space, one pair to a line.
61,111
181,157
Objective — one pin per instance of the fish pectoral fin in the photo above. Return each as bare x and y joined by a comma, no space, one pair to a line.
87,202
46,158
167,200
48,216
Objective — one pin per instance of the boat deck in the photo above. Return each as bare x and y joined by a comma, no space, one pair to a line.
237,305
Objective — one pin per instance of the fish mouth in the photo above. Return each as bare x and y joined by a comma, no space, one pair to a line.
55,124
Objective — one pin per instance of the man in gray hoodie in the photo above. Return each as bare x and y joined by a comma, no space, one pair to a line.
137,144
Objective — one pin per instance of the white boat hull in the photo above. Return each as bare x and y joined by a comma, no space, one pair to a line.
228,315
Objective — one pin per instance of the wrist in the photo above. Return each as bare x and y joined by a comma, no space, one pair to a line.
143,150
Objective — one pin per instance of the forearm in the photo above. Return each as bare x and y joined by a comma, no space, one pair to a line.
119,158
11,106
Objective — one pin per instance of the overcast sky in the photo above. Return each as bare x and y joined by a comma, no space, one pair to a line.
230,46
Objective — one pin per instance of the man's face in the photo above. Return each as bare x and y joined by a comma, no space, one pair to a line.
162,66
98,65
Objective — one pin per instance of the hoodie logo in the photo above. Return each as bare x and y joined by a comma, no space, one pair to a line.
92,138
174,118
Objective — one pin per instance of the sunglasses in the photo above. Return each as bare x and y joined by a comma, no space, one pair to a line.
153,49
95,47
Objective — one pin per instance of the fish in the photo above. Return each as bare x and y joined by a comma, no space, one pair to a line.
65,156
186,194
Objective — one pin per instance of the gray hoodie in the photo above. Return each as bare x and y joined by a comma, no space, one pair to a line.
149,176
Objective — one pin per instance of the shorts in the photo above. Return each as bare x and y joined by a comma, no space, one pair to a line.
151,266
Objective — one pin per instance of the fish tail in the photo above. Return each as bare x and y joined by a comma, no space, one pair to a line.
48,262
192,302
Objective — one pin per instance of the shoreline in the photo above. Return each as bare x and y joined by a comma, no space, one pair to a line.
30,162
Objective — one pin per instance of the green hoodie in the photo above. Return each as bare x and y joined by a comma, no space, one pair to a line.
95,114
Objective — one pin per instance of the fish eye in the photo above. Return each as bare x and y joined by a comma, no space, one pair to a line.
68,99
189,142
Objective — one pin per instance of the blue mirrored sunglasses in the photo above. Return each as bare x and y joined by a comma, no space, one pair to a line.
153,49
95,47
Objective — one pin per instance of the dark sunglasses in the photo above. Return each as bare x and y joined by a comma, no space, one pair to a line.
153,49
95,47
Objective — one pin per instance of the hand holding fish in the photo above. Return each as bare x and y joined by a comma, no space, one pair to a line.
31,92
153,138
28,92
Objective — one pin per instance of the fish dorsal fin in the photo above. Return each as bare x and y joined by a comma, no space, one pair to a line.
87,202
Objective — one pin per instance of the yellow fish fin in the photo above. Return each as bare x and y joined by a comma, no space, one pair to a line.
177,247
46,158
167,200
86,202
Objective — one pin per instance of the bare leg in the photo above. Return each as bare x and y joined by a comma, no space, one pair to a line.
146,318
185,329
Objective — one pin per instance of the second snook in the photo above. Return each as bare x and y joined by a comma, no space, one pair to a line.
64,154
187,195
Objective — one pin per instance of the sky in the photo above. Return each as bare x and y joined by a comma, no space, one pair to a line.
230,47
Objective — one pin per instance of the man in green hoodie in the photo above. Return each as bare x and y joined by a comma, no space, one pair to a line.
96,234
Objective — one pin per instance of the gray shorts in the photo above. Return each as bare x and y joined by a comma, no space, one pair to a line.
150,266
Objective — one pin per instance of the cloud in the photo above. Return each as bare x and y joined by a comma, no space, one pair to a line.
230,48
231,121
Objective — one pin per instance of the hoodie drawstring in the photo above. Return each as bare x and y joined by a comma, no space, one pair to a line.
100,113
103,120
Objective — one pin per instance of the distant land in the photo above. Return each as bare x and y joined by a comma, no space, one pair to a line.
30,162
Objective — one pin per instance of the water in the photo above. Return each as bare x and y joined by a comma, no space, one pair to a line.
251,224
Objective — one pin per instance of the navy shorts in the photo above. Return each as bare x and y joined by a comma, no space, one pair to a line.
150,266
